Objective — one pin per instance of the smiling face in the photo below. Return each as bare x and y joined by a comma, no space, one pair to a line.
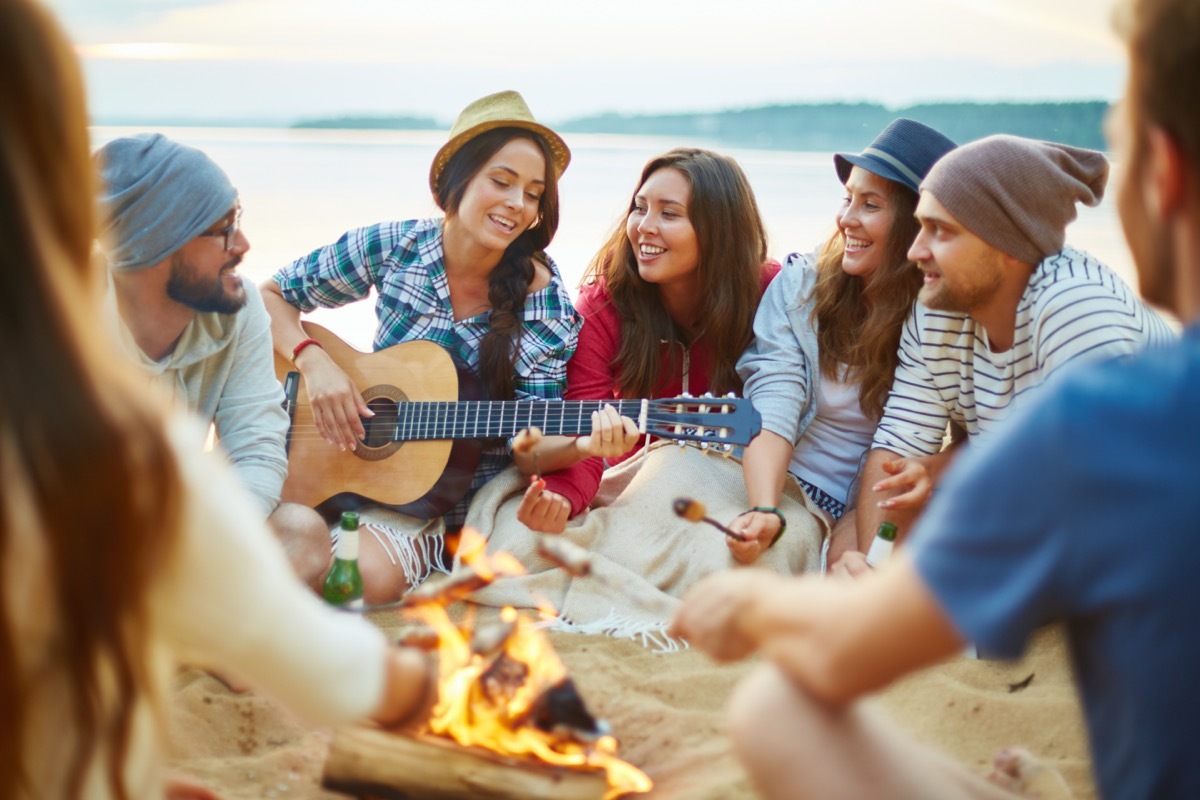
660,230
962,272
501,200
865,222
204,274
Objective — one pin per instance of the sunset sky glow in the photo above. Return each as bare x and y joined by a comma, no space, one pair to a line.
208,59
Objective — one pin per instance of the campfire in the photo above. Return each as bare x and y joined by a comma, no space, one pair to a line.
506,709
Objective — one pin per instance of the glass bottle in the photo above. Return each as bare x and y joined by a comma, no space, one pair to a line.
881,546
343,586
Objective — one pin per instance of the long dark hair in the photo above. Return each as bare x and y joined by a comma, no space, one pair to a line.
508,283
733,248
90,485
866,335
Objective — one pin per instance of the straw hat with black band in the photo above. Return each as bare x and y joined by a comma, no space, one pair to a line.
500,110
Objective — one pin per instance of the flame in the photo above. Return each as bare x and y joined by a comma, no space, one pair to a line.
485,699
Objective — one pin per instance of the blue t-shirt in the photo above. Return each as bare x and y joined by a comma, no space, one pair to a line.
1086,510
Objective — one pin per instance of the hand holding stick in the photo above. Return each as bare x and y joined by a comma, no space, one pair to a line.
526,441
694,511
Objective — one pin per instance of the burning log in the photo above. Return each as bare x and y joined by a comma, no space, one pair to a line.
372,762
490,639
571,557
560,712
501,681
420,638
507,722
445,589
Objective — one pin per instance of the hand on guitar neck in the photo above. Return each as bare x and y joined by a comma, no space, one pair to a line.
611,436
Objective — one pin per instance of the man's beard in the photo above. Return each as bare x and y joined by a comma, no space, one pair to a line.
204,295
986,277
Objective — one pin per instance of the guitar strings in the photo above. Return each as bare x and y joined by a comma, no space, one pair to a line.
442,420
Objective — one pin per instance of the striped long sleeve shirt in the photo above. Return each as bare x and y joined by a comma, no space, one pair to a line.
1074,308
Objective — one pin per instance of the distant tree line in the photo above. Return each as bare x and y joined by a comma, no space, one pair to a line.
852,126
399,123
819,126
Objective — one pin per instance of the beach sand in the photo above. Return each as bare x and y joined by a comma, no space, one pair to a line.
667,709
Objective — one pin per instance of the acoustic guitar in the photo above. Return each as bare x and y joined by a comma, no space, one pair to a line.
423,444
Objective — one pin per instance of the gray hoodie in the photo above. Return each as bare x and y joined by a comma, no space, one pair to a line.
223,369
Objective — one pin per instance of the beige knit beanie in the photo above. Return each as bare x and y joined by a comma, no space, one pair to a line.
1018,194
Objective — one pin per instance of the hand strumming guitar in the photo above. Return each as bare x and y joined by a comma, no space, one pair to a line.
337,405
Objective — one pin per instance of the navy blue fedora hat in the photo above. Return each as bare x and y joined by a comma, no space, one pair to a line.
903,153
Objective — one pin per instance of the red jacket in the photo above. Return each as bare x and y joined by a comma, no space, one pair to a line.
591,375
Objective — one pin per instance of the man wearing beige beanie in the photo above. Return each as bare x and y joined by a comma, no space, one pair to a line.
1005,303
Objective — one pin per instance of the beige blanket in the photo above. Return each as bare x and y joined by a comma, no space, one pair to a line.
643,555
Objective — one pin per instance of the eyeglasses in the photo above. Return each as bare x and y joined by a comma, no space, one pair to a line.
230,231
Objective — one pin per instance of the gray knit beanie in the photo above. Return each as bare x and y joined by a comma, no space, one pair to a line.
155,196
1018,194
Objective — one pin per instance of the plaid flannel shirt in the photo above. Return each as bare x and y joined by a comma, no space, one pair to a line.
404,263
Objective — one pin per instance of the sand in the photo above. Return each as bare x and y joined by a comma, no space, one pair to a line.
667,709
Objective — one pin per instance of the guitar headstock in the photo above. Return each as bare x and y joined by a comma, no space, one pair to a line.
727,421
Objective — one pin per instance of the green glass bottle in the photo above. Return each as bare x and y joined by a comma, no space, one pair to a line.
343,586
881,546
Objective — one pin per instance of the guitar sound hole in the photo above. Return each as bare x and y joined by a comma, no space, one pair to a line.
381,427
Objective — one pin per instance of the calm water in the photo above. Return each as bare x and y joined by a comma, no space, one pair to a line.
303,189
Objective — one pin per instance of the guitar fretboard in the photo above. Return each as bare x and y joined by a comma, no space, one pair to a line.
467,419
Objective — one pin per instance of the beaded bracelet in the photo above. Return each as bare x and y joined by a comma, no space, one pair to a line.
776,512
300,347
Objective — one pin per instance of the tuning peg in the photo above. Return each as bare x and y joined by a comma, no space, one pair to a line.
681,443
704,445
731,395
685,394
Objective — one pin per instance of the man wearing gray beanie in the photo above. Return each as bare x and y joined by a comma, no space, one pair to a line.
171,236
1005,303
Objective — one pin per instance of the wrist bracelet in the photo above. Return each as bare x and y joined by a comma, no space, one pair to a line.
776,512
300,347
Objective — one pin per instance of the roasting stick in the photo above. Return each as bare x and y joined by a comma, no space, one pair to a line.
694,511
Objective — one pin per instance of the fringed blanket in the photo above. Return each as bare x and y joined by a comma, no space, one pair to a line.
643,556
415,545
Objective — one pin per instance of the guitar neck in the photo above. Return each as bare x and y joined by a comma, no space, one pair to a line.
500,419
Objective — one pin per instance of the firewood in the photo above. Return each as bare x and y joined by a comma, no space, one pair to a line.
568,555
399,766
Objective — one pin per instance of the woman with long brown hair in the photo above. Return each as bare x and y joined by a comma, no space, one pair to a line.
827,338
477,282
119,545
668,306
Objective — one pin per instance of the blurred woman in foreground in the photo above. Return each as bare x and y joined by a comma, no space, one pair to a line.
118,545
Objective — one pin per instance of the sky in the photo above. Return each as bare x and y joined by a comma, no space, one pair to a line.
286,60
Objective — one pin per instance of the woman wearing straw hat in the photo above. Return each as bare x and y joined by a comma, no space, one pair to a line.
827,336
475,282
